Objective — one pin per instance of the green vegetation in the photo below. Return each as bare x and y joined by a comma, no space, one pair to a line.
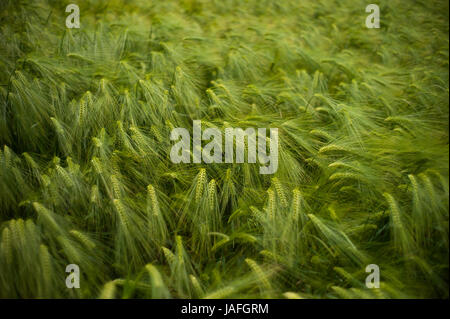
86,177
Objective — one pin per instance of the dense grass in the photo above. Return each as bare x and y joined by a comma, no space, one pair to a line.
86,178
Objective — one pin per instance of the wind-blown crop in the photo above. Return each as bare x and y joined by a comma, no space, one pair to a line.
85,170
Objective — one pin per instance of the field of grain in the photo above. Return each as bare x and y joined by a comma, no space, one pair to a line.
86,176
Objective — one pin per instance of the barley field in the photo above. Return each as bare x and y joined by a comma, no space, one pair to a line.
86,177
